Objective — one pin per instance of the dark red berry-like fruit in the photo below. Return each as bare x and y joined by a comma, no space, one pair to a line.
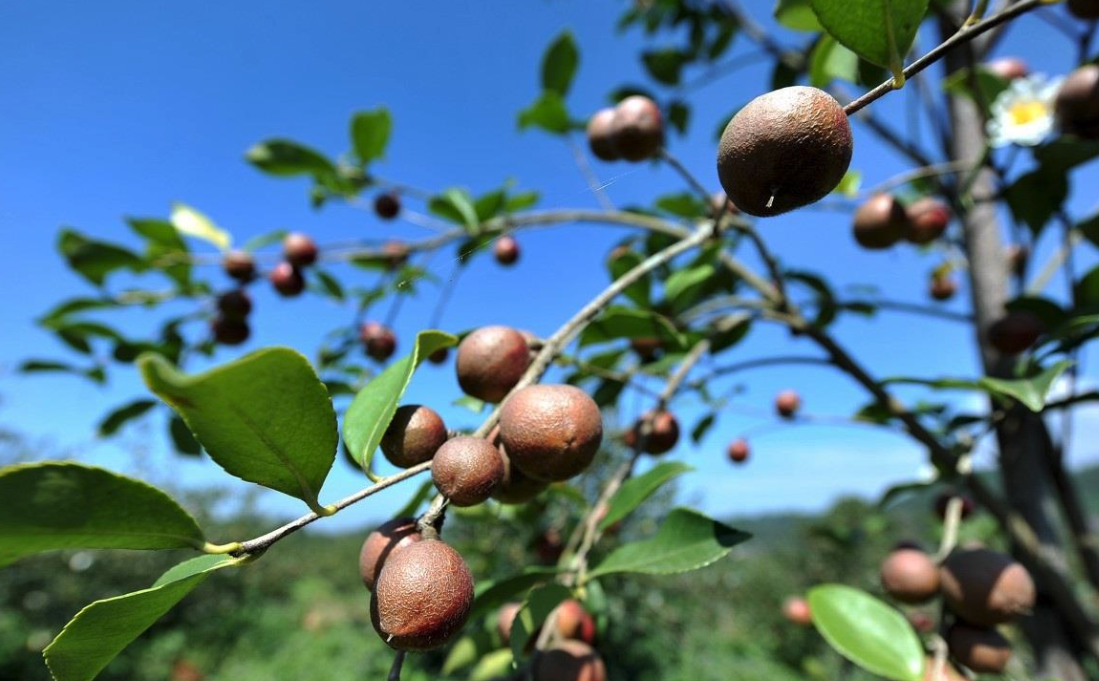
927,220
601,135
230,331
239,265
551,432
738,451
467,470
1015,332
235,304
880,222
569,661
638,128
383,542
663,433
491,360
387,205
413,436
986,588
787,404
378,340
299,249
287,280
506,250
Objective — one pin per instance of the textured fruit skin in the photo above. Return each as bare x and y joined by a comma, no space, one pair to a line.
506,250
551,432
378,340
910,576
942,288
796,610
663,436
387,206
569,661
1015,332
601,135
984,651
738,451
1010,68
927,219
389,538
299,250
236,304
516,487
574,622
467,470
228,331
1084,9
793,144
287,280
413,436
1077,102
986,588
787,404
637,128
422,597
240,265
880,222
491,360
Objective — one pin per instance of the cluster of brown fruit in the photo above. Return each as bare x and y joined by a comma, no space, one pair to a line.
631,131
882,221
230,326
980,588
571,657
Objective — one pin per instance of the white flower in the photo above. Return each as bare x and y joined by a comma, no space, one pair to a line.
1023,113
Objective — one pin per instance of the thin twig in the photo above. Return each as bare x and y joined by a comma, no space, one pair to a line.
395,670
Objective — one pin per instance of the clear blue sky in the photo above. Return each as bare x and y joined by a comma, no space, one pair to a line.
113,109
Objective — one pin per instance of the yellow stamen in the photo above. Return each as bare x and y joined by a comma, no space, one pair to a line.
1022,113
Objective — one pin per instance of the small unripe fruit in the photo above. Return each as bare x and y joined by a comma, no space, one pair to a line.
926,221
516,487
738,451
505,619
491,360
601,135
422,597
796,610
389,538
467,470
235,304
387,205
569,661
240,265
787,404
1008,68
663,433
784,150
1084,9
943,287
637,128
439,356
551,432
986,588
1077,103
647,349
506,250
287,280
413,436
1015,332
396,254
299,250
378,340
880,222
984,651
230,331
910,576
574,622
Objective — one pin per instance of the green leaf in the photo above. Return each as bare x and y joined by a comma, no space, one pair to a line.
94,260
488,206
1033,391
849,184
636,490
373,408
679,115
265,418
639,291
867,632
548,113
103,629
329,284
1036,196
165,249
879,31
494,665
665,65
559,64
797,15
122,415
626,322
536,607
702,427
182,439
521,201
455,205
492,594
685,286
684,205
832,61
286,158
62,505
686,541
189,221
370,134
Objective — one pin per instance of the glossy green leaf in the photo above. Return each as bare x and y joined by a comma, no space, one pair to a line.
265,418
1035,197
455,205
494,665
686,285
165,249
191,222
686,541
626,322
867,632
832,61
797,15
373,408
182,438
559,64
665,65
491,594
637,489
113,421
536,607
287,158
879,31
548,113
1033,391
103,629
639,291
64,505
370,134
328,284
94,260
679,115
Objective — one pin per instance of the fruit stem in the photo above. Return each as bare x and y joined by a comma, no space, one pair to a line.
395,670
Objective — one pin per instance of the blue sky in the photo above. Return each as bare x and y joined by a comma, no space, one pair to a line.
121,108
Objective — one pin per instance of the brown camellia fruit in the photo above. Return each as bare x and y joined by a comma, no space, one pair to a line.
910,576
949,673
984,651
787,404
390,537
439,356
880,222
637,130
943,287
1015,332
378,340
506,250
601,135
230,331
738,451
236,304
299,249
796,610
926,221
287,280
240,265
663,434
647,349
784,150
1008,68
505,619
387,205
413,436
516,487
422,597
574,622
551,432
985,587
467,470
569,661
491,360
1077,102
1084,9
